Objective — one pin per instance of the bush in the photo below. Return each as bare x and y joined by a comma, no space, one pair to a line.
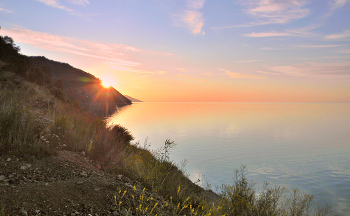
241,198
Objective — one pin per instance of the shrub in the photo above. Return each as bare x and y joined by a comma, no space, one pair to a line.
241,198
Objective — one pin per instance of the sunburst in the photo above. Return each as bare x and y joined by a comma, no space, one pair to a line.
107,81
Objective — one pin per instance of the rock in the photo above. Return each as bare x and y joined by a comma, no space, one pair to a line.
98,166
24,167
126,212
2,177
115,213
24,212
84,174
9,159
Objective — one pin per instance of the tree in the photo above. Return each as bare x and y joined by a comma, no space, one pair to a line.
8,49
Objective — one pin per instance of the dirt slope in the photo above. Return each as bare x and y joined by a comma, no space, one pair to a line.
67,184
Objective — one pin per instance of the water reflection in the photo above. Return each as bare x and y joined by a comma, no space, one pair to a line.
293,145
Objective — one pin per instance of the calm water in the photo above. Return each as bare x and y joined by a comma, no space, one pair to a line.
304,146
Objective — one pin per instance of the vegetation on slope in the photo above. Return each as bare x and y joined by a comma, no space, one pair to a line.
36,121
64,81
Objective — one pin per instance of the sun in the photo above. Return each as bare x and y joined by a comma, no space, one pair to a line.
107,81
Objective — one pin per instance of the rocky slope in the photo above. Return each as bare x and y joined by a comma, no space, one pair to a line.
67,184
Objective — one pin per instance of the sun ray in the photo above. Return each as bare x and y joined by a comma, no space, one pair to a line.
107,81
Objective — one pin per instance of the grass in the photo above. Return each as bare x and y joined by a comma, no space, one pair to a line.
33,122
2,208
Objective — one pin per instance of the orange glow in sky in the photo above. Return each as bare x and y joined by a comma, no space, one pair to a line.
108,81
195,50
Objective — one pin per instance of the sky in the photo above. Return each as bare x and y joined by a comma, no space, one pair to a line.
194,50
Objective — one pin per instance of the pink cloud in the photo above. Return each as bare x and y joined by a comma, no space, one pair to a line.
114,53
192,78
344,35
268,34
318,46
192,18
314,69
55,4
338,3
272,11
5,10
80,2
248,61
240,75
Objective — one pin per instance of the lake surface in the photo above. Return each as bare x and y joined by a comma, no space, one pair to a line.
304,146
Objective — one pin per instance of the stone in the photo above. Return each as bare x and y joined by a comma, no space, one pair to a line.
2,177
24,212
9,159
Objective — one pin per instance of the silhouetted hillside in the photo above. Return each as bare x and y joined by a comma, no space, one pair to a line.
63,80
132,99
83,87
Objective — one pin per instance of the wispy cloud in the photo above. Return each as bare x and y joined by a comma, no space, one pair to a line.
270,48
5,10
267,72
345,35
317,46
335,4
275,11
109,52
236,75
79,2
300,32
192,18
116,56
248,61
162,53
131,67
268,34
272,12
183,70
192,78
314,69
57,4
